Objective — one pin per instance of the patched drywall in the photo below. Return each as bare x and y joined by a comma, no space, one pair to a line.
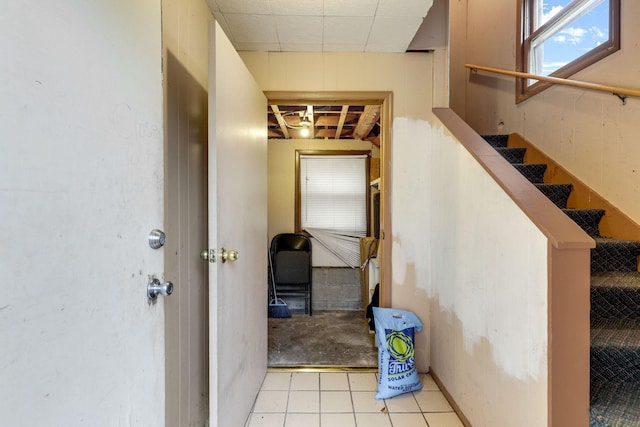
486,265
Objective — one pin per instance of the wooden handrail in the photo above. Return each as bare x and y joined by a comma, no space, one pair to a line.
620,92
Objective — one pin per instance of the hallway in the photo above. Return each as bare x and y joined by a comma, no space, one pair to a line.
328,338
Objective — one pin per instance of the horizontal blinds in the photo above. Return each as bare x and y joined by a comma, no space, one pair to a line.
333,194
345,248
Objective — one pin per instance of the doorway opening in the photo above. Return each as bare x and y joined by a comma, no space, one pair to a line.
338,332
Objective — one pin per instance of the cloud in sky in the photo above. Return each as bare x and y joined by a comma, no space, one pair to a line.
550,14
571,35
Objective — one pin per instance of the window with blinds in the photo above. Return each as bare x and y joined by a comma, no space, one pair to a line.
332,191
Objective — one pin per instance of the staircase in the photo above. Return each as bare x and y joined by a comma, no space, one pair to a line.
615,303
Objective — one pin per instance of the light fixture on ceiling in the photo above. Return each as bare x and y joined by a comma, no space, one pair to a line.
304,121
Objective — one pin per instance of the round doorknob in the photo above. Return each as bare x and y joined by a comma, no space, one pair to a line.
204,255
230,255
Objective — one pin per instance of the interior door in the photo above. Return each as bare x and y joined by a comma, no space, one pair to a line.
237,222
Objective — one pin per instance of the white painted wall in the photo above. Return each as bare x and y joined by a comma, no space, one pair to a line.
81,186
487,285
591,134
409,76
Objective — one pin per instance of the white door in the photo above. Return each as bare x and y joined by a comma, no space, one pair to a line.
237,221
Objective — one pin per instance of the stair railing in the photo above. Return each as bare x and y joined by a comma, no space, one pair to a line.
620,92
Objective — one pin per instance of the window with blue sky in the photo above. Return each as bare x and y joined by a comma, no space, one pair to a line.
561,37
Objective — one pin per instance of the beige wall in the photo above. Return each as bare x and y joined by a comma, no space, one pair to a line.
410,78
590,133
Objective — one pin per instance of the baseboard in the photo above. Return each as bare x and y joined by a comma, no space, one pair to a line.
450,399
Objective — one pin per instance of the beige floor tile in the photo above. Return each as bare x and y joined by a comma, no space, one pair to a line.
337,420
271,401
276,381
372,420
302,420
335,401
403,403
364,401
334,381
408,420
443,419
363,381
304,401
432,401
266,420
305,381
428,383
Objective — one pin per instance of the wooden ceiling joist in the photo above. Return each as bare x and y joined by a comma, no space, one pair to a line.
343,117
367,121
280,119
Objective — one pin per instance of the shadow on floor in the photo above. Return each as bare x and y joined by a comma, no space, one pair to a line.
328,338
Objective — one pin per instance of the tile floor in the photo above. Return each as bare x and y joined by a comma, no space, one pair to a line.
345,399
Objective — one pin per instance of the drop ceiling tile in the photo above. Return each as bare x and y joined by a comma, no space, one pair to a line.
392,34
329,47
213,5
259,47
404,8
255,7
350,7
347,30
301,47
252,28
223,24
296,7
299,29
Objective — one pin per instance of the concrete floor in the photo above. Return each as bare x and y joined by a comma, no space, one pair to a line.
328,338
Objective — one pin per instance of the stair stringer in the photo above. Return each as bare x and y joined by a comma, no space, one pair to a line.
614,224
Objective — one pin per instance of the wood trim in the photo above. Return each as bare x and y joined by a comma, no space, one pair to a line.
568,332
385,99
557,80
298,194
454,405
526,31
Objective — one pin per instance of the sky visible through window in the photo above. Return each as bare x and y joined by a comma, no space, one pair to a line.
577,37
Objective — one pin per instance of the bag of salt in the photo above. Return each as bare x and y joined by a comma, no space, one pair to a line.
397,372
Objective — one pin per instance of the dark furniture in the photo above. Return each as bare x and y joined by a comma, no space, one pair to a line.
291,261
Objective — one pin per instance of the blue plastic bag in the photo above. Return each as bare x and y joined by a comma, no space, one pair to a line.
397,373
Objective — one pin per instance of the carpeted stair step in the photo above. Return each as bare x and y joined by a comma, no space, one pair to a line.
587,219
513,155
496,140
534,172
615,404
557,193
615,350
615,295
614,255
